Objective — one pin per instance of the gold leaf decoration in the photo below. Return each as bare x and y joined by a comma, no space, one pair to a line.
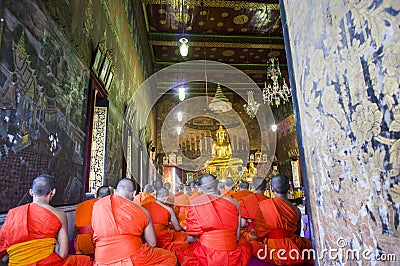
228,53
182,17
240,20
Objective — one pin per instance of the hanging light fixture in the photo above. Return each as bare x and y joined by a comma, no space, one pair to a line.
251,107
275,93
183,46
181,93
179,115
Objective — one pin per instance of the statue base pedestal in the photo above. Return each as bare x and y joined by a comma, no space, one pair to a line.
225,168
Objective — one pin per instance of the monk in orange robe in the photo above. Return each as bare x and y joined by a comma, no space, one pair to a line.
83,241
182,202
145,196
213,230
180,191
248,210
119,225
167,186
161,216
36,233
277,224
243,191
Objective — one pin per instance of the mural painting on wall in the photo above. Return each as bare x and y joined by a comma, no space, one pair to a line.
286,126
42,108
349,102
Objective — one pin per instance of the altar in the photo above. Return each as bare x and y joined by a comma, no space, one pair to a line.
222,164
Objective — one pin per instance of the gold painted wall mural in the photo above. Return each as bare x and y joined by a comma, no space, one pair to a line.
346,62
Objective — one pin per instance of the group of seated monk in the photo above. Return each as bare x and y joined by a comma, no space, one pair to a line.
200,225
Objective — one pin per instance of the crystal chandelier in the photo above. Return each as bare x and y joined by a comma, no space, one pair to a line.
251,107
275,93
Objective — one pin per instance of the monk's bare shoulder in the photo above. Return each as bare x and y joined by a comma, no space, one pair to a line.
60,214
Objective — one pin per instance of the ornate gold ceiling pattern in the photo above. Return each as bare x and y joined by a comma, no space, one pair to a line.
244,34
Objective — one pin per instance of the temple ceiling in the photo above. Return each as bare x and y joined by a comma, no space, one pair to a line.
243,34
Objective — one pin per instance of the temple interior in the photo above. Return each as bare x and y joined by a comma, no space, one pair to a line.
92,91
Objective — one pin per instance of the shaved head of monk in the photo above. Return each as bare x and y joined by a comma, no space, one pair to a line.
157,185
280,183
43,185
209,184
126,188
229,183
162,194
102,192
148,188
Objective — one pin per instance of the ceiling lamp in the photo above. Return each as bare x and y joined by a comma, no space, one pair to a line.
181,93
183,47
179,116
275,93
220,104
251,107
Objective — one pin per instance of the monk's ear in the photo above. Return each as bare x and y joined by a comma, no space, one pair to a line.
31,192
53,192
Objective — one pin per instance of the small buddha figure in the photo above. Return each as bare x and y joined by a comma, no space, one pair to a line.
252,170
221,149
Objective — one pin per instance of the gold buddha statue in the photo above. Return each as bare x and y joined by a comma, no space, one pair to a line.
221,153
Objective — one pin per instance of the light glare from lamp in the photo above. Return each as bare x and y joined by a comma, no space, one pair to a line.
179,116
181,93
178,130
183,47
274,127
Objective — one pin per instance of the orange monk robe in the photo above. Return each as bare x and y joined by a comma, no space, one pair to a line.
249,205
178,193
248,210
240,194
276,223
182,202
118,226
195,194
215,220
83,242
32,222
166,238
227,192
143,198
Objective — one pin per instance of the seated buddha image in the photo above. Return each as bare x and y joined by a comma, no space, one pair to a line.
222,152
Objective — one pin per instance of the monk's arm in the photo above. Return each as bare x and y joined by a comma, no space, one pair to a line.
5,259
149,234
243,222
298,230
61,247
238,228
234,201
174,220
191,239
